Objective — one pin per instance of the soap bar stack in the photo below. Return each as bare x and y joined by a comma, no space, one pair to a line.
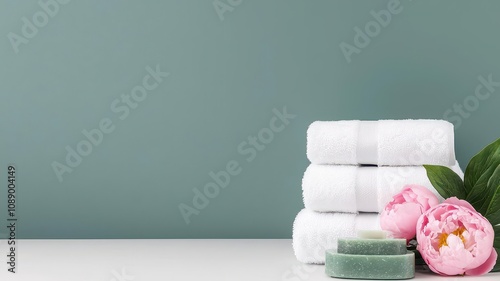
356,168
370,259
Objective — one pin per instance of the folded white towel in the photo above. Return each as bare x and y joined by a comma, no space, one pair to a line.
345,188
313,232
383,143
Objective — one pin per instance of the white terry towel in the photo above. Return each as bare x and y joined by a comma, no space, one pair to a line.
347,188
383,142
313,232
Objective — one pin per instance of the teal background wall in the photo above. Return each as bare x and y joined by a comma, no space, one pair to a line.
227,74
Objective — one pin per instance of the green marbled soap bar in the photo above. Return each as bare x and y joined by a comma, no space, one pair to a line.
370,266
356,246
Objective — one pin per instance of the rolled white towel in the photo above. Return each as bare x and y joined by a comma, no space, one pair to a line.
345,188
383,142
313,232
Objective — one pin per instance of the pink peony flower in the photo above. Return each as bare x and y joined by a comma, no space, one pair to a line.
455,239
400,216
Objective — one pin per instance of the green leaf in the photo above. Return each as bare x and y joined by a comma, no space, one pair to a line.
486,197
496,242
492,199
478,173
445,181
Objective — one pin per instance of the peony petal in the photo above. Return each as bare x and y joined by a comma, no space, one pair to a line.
406,219
388,223
486,267
454,258
465,252
429,264
454,242
458,202
448,270
424,196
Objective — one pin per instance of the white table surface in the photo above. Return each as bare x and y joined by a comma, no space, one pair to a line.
127,260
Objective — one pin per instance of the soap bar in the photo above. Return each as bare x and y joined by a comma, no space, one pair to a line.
370,266
356,246
372,234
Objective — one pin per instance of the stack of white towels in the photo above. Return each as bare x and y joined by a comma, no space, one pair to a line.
356,167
